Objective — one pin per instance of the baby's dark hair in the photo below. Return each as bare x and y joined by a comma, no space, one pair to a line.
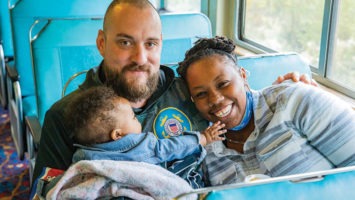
88,115
205,47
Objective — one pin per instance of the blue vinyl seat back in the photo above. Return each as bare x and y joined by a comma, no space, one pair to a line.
5,29
63,48
265,68
6,48
23,15
333,186
180,31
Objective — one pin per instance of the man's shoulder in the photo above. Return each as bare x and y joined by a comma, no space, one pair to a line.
180,82
174,86
91,80
63,102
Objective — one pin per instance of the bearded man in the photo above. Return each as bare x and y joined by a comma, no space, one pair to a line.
130,44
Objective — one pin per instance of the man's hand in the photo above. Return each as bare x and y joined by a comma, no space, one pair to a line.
295,77
212,133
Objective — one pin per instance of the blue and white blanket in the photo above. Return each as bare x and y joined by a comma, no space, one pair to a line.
106,178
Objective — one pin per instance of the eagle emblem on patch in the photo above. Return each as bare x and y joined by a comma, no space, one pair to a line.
171,122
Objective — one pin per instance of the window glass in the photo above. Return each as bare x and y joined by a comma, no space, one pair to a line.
286,25
183,5
343,66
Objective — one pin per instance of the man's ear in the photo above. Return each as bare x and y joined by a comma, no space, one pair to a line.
100,42
116,134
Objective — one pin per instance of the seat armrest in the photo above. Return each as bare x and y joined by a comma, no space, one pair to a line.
12,73
34,127
8,58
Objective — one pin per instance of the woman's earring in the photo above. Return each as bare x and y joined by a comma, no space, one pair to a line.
247,74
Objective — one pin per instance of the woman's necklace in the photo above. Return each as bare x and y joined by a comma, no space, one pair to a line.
233,141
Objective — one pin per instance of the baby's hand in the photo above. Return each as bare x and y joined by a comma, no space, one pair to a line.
212,133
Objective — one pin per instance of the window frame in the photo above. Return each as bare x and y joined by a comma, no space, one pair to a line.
328,34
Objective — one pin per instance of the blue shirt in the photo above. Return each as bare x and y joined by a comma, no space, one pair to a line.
298,128
144,147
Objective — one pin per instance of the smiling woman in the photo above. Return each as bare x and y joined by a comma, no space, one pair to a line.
284,129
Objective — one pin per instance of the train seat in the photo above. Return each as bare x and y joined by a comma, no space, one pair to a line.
59,51
180,31
265,68
6,49
326,185
20,80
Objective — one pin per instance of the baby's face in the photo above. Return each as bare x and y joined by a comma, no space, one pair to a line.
127,120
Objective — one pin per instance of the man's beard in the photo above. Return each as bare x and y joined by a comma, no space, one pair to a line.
132,90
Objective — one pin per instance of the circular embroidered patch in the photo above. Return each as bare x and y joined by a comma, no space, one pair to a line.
170,122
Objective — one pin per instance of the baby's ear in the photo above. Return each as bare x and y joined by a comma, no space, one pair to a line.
116,134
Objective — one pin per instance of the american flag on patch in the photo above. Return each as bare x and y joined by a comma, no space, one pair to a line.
173,127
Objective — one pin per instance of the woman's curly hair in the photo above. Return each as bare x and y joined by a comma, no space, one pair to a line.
205,47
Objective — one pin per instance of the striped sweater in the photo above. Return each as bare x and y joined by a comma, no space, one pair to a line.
298,128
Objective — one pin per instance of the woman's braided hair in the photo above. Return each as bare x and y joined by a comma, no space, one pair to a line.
206,47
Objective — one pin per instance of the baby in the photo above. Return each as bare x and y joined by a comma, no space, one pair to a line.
104,127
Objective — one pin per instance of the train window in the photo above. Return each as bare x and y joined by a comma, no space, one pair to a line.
179,5
343,69
277,25
320,31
